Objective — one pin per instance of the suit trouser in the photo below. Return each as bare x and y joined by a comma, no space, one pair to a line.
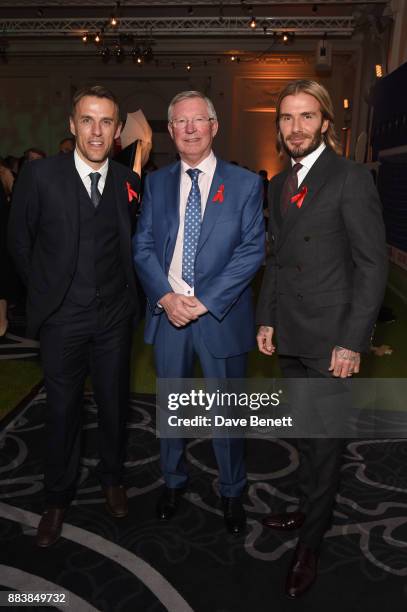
74,341
320,460
175,350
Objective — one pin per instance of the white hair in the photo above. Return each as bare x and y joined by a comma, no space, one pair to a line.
186,95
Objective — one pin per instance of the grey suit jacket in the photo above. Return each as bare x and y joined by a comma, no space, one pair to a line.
326,274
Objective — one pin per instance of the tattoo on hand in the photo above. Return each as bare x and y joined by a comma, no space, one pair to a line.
345,354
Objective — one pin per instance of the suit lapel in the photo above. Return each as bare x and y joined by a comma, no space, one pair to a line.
119,192
314,181
212,209
172,188
69,187
276,218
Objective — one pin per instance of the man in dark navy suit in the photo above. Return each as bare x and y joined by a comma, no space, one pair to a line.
321,292
199,242
70,235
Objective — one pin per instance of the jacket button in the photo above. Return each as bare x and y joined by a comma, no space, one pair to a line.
299,296
307,238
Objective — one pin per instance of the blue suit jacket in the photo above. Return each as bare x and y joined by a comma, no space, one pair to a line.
230,251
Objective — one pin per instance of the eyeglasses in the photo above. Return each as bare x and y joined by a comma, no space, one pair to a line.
197,122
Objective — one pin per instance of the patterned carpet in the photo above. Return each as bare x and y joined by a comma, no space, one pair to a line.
137,564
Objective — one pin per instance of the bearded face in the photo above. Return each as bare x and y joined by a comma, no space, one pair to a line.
301,125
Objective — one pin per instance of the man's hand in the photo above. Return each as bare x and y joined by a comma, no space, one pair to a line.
265,340
200,309
180,309
344,362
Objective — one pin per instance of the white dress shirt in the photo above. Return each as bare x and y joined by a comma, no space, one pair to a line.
308,162
84,170
207,168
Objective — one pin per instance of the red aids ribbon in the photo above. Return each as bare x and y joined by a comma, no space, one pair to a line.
130,192
298,198
218,197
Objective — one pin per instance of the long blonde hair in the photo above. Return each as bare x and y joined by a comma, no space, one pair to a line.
319,92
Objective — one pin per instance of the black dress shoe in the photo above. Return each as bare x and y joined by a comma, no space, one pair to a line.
303,571
116,501
168,502
234,514
50,527
286,521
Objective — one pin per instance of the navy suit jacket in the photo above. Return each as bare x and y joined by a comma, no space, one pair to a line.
229,252
44,231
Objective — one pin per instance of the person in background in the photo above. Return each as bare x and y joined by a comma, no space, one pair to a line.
33,153
67,145
6,179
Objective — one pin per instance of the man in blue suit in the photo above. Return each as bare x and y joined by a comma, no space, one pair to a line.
199,242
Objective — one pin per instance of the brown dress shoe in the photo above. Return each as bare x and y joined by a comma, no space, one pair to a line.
303,571
116,501
287,521
50,527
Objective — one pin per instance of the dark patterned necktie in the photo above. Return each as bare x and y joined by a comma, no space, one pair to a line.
290,187
192,228
95,194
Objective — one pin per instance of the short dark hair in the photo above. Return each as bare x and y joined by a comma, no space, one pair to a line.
68,138
34,150
96,91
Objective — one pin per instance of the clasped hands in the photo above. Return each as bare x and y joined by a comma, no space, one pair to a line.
181,309
344,362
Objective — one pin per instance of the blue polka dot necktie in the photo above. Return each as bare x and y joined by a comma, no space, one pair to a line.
192,228
95,194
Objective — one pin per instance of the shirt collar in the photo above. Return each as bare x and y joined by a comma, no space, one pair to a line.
205,166
84,170
309,160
